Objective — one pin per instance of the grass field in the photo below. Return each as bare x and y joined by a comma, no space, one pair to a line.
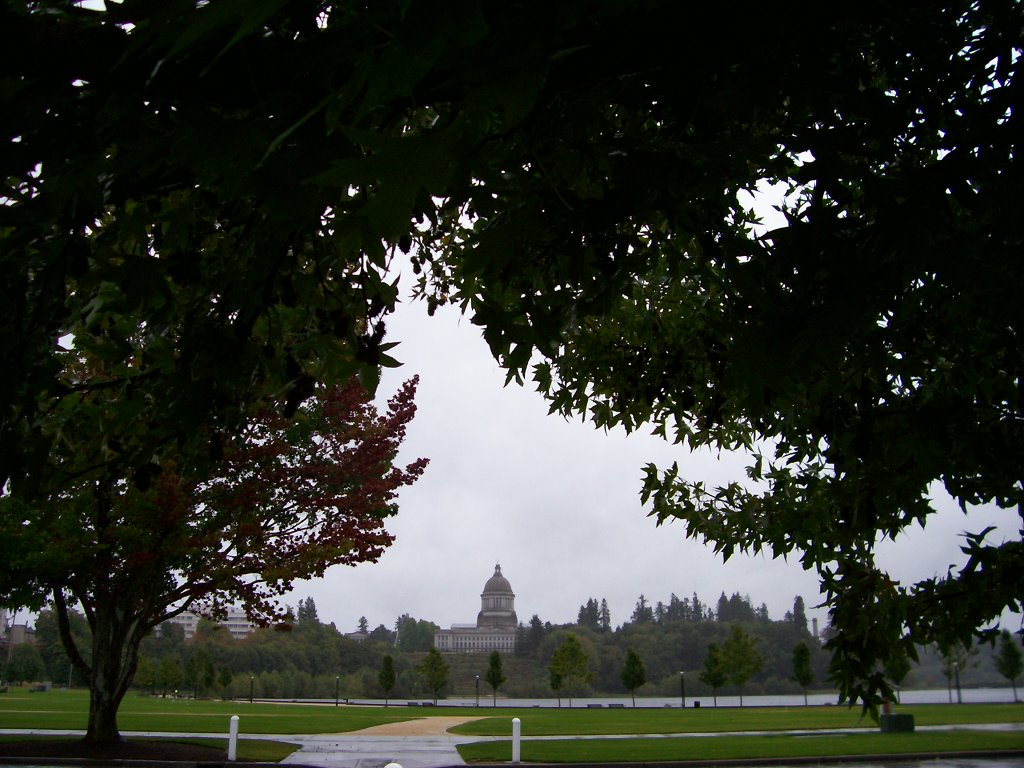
61,709
562,722
740,747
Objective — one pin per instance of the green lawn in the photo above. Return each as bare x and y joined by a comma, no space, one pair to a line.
61,709
584,722
740,747
68,709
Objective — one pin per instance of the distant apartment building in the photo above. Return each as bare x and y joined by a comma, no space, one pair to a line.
236,622
496,624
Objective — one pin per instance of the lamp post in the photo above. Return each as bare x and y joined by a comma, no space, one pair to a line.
251,683
682,689
337,680
478,690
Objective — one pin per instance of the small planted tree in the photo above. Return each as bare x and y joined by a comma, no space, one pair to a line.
633,674
803,674
434,671
1008,660
742,660
555,681
494,677
713,672
386,676
897,667
571,663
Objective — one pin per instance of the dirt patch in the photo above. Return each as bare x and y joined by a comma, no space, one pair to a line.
424,726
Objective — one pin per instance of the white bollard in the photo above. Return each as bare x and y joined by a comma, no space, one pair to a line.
393,765
516,733
233,738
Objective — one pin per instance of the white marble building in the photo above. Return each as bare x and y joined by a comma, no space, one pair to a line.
496,624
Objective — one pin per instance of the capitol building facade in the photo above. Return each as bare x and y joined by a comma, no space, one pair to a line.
496,624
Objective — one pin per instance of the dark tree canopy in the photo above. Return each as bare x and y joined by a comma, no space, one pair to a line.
228,182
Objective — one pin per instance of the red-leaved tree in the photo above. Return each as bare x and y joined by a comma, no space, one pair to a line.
290,497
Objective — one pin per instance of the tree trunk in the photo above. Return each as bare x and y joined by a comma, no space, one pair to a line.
103,706
102,673
115,653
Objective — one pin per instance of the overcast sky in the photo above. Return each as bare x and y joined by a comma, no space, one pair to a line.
557,504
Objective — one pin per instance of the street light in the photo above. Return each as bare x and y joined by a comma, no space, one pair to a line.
682,690
251,682
478,690
336,681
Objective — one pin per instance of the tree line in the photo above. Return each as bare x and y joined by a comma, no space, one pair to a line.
736,649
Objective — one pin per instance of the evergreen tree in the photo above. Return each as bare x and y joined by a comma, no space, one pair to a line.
642,613
677,610
536,634
697,610
589,615
364,625
605,615
307,612
1009,661
633,674
799,616
722,614
494,675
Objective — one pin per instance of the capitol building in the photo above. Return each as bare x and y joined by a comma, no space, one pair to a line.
496,624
